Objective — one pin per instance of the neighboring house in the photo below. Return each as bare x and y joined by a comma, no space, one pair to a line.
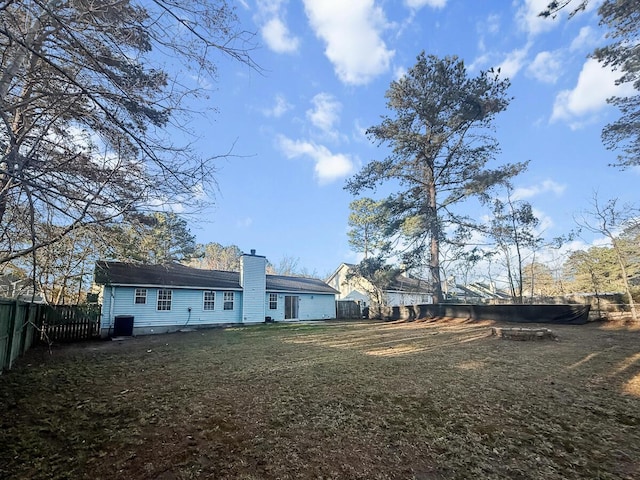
14,287
403,291
478,293
163,298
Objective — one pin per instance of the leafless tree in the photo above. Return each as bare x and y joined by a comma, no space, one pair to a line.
610,219
86,111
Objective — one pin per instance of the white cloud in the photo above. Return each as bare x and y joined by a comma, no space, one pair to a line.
244,222
545,222
271,15
278,37
351,31
586,39
325,112
399,72
511,65
580,244
493,23
479,62
417,4
489,25
280,107
328,166
546,67
528,19
270,7
595,84
547,186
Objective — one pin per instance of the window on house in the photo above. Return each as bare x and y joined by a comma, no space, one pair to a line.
164,299
228,300
273,301
140,296
209,300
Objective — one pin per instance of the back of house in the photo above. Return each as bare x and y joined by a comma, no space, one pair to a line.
143,299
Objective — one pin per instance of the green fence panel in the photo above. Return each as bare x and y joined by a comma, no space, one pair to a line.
6,316
15,338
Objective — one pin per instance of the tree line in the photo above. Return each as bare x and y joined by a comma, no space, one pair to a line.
64,270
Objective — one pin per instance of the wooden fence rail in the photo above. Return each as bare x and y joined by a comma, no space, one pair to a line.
346,309
22,324
68,323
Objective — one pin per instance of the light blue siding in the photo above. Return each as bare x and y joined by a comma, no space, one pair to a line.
277,313
120,301
312,306
252,281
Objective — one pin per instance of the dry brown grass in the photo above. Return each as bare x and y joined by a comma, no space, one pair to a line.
424,400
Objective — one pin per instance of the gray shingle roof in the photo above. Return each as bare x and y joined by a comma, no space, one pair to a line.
176,275
281,283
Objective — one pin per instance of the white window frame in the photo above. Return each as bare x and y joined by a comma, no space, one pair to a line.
140,293
229,298
273,301
208,304
165,299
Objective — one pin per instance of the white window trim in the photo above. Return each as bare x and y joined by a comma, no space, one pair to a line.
165,300
273,295
232,301
212,301
136,296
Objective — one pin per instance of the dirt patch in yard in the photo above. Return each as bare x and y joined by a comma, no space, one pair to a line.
425,400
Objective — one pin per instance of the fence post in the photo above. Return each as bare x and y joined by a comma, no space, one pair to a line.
11,333
6,334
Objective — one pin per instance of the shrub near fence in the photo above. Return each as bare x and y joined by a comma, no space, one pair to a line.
17,328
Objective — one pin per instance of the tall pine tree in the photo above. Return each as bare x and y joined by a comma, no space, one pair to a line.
439,134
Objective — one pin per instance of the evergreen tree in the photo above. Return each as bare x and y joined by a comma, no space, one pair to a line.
157,238
439,133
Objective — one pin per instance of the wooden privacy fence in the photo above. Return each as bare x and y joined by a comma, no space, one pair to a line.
68,323
22,324
347,309
17,330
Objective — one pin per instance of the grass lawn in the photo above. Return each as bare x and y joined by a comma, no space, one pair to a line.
424,400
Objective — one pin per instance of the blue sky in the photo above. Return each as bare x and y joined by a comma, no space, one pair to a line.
298,127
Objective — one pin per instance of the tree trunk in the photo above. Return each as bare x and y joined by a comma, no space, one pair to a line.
434,247
625,279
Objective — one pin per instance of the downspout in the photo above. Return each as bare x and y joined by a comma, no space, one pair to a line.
112,296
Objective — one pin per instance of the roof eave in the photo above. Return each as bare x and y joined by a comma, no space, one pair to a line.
158,285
